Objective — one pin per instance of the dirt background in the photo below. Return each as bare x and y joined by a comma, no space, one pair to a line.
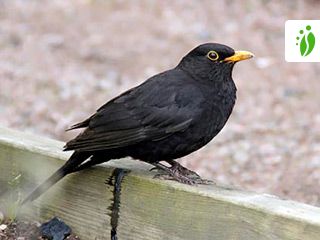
60,60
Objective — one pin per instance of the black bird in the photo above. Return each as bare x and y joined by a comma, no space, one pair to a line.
170,115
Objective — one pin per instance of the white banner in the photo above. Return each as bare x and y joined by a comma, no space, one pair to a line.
302,41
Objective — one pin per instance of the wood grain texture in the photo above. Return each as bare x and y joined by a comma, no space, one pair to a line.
150,209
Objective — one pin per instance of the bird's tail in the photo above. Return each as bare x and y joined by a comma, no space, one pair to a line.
74,161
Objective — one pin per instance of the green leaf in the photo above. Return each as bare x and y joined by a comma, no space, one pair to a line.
311,40
303,46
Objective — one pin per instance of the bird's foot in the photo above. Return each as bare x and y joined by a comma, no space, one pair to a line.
179,173
173,176
189,173
177,167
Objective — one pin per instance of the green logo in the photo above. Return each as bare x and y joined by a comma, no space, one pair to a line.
307,41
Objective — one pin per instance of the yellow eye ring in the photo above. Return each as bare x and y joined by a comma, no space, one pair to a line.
213,55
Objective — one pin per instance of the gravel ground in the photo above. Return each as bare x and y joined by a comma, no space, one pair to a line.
25,230
60,60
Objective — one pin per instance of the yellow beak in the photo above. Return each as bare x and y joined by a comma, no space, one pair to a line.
239,56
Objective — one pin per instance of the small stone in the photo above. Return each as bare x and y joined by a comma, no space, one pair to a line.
263,62
55,229
54,40
3,227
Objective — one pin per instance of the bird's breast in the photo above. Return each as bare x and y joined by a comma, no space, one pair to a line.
218,108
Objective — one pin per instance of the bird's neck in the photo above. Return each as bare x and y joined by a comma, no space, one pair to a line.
215,83
206,72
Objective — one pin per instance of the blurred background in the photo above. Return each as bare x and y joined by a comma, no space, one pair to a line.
60,60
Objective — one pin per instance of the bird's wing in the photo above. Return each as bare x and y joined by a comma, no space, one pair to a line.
140,114
117,126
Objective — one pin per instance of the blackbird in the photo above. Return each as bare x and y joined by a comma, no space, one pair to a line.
170,115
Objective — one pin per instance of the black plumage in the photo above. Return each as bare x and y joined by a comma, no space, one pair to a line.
167,117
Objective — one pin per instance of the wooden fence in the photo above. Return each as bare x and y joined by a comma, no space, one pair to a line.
146,208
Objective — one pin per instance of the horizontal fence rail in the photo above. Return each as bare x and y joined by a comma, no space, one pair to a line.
144,207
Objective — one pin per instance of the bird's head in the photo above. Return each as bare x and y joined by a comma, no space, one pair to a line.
212,61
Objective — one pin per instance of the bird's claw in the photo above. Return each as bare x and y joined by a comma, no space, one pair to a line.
179,173
204,181
184,179
178,178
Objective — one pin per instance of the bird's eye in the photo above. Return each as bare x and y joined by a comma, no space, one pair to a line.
213,55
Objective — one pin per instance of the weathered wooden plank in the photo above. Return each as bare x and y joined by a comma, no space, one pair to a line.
149,208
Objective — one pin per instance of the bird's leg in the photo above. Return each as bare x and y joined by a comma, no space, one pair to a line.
177,167
170,174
